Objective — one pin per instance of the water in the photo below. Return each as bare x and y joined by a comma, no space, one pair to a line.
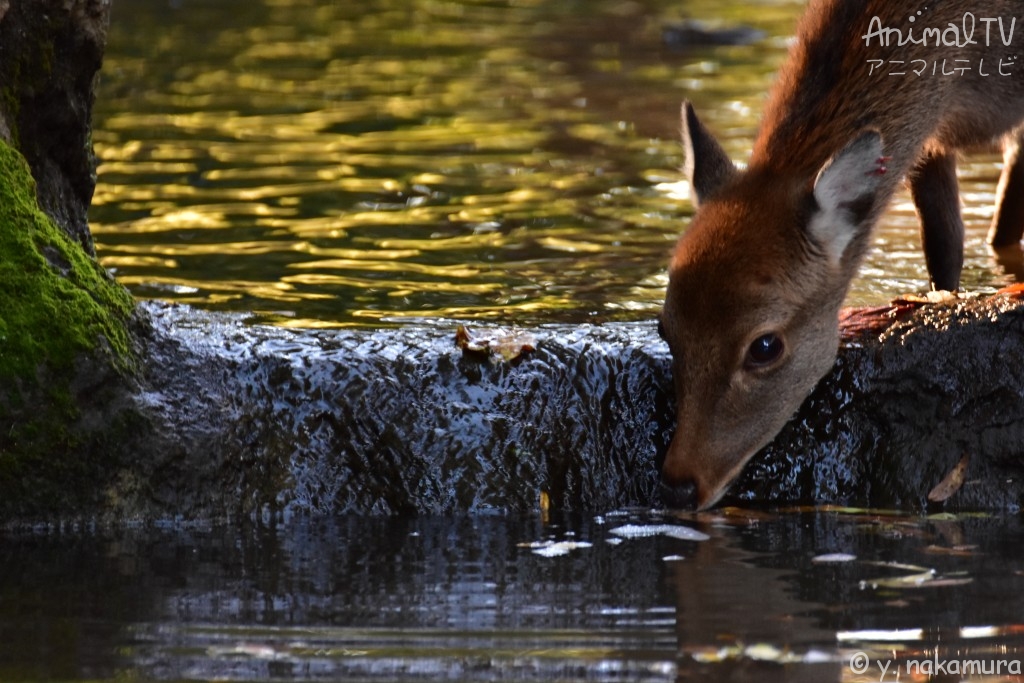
402,599
367,163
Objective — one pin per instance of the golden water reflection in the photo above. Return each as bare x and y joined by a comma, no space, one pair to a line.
361,163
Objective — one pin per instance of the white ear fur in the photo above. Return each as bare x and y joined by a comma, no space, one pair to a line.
845,191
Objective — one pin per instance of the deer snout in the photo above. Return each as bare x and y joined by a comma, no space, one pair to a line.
681,496
684,492
679,486
692,476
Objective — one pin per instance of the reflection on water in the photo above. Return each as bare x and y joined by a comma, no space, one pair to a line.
787,597
351,162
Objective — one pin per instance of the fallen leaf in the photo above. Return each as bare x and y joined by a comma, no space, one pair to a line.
859,322
905,581
920,577
1014,291
951,483
897,603
935,296
954,551
509,346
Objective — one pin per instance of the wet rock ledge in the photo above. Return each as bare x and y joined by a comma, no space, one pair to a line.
258,420
225,420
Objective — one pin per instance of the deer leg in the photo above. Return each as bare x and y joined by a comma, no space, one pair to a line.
1008,222
936,194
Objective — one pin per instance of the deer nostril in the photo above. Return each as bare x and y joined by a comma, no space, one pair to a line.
681,496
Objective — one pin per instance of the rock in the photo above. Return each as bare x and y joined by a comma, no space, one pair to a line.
261,420
65,351
65,354
692,34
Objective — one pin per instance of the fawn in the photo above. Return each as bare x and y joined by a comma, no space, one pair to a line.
873,92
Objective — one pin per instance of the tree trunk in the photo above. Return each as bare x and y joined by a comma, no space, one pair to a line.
65,349
113,410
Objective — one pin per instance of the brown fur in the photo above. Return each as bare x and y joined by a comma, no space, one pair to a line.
771,250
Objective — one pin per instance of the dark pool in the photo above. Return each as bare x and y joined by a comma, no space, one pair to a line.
623,596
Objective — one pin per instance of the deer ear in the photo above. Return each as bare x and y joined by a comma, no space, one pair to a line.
846,193
707,165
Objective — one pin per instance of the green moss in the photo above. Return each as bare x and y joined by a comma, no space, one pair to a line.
64,339
55,301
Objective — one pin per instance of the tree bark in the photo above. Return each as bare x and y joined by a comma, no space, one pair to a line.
50,55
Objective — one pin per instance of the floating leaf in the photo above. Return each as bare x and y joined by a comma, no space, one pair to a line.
715,655
919,577
899,565
955,551
764,652
734,516
905,581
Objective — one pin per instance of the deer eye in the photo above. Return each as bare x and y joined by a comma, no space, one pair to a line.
764,351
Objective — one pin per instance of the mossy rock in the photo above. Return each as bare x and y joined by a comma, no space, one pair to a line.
64,346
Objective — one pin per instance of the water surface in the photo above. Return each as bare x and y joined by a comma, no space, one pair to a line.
362,163
791,596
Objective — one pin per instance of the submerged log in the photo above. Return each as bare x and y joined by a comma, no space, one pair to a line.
113,412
